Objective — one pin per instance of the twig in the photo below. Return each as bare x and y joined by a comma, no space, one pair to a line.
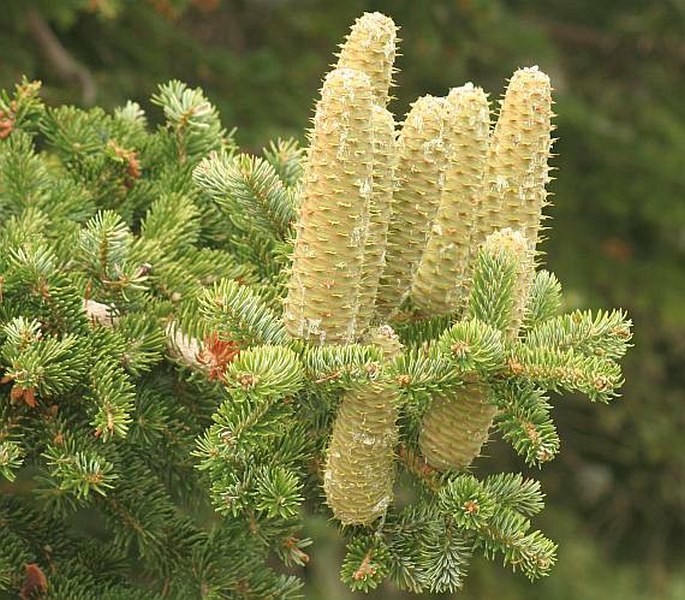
64,64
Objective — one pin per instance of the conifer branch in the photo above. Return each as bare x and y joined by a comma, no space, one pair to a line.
192,118
166,345
249,191
286,157
605,334
525,422
553,369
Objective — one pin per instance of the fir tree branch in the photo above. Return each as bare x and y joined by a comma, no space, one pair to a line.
604,334
236,311
11,458
473,347
286,157
249,191
524,421
364,566
544,301
552,369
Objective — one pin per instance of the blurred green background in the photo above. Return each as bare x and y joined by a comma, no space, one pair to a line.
617,492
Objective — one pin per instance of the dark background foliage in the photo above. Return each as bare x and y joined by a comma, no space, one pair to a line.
617,493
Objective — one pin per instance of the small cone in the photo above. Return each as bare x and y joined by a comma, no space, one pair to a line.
455,428
360,467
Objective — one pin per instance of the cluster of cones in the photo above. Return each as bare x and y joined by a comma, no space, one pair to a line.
394,215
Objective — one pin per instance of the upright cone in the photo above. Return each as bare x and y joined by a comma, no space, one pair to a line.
360,467
517,170
420,173
384,164
370,47
323,290
456,426
438,285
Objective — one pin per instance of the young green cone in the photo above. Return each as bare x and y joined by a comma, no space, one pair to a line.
360,469
370,47
420,173
438,283
323,290
517,166
455,427
384,163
